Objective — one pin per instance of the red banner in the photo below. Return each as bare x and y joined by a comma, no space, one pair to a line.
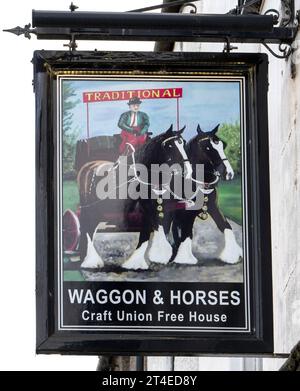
105,96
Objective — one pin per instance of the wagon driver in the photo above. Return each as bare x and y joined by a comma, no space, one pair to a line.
134,125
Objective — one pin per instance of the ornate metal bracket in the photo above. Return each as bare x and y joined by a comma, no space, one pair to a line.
285,49
126,26
289,18
273,12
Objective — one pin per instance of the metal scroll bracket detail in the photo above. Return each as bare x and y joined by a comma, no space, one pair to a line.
284,48
289,19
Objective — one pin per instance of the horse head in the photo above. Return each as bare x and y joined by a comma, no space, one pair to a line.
173,150
212,148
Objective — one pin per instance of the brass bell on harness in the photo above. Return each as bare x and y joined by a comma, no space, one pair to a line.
161,215
159,201
159,208
203,216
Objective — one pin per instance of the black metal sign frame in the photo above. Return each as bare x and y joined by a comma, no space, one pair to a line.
48,66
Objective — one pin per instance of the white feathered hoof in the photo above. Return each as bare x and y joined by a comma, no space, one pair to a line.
232,252
160,251
137,260
185,255
92,259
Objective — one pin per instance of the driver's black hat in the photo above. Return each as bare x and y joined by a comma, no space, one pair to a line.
134,101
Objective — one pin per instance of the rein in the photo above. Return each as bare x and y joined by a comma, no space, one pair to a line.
208,184
166,187
203,186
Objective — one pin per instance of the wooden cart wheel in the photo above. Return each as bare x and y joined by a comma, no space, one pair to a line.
71,230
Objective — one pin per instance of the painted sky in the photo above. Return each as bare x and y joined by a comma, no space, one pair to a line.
208,103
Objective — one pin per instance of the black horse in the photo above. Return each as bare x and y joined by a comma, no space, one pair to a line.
207,149
167,148
158,208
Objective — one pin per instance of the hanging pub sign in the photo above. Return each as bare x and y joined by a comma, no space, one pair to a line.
153,216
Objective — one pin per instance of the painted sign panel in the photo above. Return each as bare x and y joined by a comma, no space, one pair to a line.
153,198
117,240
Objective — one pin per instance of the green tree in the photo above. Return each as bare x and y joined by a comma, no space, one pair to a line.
70,133
230,133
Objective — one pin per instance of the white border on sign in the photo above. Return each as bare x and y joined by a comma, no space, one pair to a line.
61,326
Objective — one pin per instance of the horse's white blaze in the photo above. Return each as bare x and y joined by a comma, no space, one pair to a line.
220,148
232,252
92,259
160,249
187,164
185,254
137,260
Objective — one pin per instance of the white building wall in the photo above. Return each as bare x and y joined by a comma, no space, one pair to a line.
284,135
